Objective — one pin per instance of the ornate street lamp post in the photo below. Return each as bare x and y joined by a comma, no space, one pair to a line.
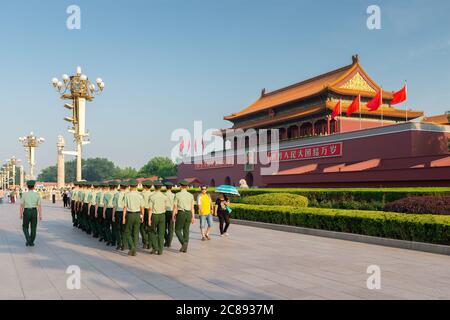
79,89
30,143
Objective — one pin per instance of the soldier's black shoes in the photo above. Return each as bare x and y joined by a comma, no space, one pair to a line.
27,244
154,251
132,253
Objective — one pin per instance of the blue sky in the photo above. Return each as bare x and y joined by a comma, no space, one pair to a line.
167,63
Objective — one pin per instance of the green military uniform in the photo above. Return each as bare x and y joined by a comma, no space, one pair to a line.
168,234
82,208
144,230
133,203
92,201
86,201
109,205
118,228
184,202
30,202
99,212
73,200
158,203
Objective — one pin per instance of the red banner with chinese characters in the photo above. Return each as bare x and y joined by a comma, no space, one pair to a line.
309,152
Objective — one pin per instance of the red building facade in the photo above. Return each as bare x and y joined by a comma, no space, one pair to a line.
381,148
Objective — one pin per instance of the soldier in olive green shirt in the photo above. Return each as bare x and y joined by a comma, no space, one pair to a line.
133,216
183,214
30,210
108,206
157,218
169,227
144,229
99,211
118,227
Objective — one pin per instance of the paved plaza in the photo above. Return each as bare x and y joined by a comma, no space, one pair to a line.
252,263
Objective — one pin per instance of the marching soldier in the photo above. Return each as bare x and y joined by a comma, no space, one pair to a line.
183,214
168,232
118,227
99,211
30,211
72,204
90,214
83,207
146,194
156,218
108,213
133,216
91,210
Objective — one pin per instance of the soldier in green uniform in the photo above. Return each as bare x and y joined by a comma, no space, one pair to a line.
157,218
99,211
168,234
82,207
183,214
72,204
118,227
144,226
108,213
91,209
133,216
30,211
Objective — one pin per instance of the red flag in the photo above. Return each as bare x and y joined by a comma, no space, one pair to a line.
189,146
354,106
376,102
336,110
182,146
399,96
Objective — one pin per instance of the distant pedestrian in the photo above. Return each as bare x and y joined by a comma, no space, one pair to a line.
223,211
205,211
65,199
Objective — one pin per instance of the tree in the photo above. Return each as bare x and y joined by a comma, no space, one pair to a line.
125,173
159,166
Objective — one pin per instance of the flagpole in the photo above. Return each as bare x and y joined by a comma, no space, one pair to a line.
381,106
406,105
360,123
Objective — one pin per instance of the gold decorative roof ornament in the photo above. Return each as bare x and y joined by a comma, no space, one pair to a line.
358,83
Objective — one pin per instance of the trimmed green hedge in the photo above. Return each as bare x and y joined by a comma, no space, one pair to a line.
421,228
346,198
277,199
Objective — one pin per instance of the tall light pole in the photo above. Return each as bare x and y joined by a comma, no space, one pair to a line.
30,143
79,89
12,164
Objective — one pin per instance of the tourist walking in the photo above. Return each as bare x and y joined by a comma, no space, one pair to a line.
223,211
205,210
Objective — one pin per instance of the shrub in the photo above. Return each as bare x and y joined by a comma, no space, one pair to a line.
277,199
421,205
422,228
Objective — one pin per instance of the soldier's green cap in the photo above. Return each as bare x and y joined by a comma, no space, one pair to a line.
168,184
158,183
113,184
31,183
184,183
124,183
147,183
133,183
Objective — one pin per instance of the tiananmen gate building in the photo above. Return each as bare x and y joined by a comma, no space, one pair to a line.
383,148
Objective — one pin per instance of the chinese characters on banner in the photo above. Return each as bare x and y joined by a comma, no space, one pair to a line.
310,152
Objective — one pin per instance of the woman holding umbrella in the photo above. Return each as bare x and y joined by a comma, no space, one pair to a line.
222,207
